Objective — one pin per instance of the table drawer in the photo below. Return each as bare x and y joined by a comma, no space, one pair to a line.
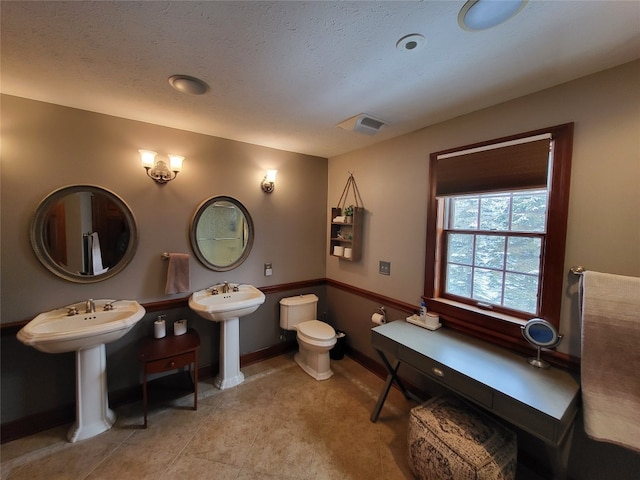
448,377
170,363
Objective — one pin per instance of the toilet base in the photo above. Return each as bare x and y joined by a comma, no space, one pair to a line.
315,364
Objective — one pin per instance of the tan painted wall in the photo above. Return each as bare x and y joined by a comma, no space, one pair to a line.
45,147
604,212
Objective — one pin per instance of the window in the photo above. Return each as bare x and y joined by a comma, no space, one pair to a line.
493,248
496,231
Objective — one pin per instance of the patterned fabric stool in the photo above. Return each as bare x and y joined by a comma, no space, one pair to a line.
448,440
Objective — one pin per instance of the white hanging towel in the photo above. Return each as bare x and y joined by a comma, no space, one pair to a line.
610,364
96,255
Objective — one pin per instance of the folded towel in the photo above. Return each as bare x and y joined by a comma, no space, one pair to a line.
96,255
178,279
610,362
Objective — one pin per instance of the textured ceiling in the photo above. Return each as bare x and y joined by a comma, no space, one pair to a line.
284,74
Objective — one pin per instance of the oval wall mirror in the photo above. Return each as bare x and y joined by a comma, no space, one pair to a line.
540,333
221,233
84,233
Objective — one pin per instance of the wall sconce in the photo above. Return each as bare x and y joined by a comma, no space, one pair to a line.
269,181
158,169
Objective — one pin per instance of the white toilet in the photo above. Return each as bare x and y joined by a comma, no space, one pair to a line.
315,338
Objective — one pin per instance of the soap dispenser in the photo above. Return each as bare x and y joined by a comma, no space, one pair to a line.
423,311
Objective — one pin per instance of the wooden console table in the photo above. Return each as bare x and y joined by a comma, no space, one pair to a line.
542,402
169,353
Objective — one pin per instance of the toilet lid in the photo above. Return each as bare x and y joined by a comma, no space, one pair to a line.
317,329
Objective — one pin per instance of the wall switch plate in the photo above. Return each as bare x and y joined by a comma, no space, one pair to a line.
385,268
268,270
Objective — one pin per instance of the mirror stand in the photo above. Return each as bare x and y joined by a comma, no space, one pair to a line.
537,361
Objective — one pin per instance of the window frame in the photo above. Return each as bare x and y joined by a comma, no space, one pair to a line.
493,324
507,234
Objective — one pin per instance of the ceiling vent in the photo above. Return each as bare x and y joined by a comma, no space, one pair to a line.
363,123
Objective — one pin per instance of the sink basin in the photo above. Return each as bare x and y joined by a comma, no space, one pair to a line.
227,308
57,332
224,306
85,333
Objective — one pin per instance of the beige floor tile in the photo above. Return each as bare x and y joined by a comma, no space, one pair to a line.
248,474
133,461
287,449
71,462
32,443
226,438
279,424
194,468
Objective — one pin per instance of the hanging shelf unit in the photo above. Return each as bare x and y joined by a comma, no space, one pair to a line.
345,232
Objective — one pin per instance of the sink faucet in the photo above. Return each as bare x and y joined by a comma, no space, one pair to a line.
109,306
225,287
89,306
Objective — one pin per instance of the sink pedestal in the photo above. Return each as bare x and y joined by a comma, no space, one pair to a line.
230,374
93,415
226,308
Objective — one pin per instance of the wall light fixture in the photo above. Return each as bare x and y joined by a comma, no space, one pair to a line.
269,181
158,169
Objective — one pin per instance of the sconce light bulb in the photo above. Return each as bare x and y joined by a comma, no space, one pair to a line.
148,158
271,175
269,181
175,162
158,170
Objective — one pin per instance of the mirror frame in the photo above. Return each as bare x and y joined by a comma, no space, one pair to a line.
38,240
526,333
194,241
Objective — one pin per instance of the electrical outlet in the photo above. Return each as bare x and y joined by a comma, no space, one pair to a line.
268,270
385,268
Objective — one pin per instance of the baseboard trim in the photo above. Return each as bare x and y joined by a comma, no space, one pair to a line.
37,423
269,352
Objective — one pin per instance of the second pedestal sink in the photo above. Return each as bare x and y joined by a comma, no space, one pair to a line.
226,304
73,328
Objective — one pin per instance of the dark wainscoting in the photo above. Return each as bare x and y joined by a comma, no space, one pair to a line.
43,421
66,414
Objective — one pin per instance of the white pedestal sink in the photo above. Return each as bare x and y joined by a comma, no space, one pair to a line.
85,333
227,308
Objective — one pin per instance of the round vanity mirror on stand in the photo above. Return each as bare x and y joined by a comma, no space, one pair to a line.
540,333
84,233
221,233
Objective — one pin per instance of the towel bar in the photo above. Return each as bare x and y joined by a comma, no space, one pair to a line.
164,256
577,270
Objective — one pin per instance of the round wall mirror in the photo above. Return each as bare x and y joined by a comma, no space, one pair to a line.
540,333
84,233
221,233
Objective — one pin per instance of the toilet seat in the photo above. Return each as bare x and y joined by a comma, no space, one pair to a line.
315,332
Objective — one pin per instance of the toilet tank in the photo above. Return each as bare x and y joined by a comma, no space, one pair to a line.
300,308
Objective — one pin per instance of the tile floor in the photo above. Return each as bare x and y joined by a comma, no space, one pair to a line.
279,424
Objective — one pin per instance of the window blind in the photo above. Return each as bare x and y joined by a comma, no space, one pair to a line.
510,167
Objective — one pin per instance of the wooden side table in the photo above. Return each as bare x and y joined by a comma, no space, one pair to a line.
169,353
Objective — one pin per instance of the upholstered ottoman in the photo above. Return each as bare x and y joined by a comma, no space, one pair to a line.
450,440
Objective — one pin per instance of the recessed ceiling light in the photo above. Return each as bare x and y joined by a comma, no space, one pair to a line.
188,84
483,14
411,43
